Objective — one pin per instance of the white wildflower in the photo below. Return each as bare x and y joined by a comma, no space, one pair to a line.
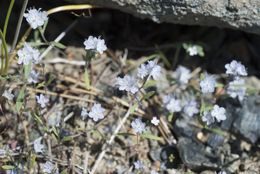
28,54
138,164
192,50
8,95
38,147
151,68
84,113
166,99
237,88
191,108
208,84
138,126
154,172
96,112
208,118
155,121
2,152
154,69
236,68
42,100
183,75
142,71
127,83
54,119
174,105
33,77
48,167
222,172
219,113
12,171
36,18
96,44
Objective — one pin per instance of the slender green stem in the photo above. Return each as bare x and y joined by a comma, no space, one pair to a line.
3,34
5,51
7,17
18,27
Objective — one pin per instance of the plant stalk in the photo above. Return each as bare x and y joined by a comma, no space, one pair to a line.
18,27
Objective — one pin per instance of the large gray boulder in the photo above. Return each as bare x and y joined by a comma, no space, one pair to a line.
237,14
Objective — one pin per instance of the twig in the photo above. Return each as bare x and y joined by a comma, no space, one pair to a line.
63,60
60,95
58,39
49,148
102,154
85,169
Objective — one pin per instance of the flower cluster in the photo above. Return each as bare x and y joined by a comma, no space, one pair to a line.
127,83
155,121
38,147
191,108
42,100
96,112
28,54
138,165
151,68
182,75
193,51
36,18
236,88
172,104
48,167
217,113
188,107
130,83
95,44
208,84
33,77
8,95
138,126
236,69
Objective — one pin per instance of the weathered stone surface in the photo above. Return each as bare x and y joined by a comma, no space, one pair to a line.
195,156
237,14
247,119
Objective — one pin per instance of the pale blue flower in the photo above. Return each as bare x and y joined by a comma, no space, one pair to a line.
36,18
96,44
235,68
127,83
138,126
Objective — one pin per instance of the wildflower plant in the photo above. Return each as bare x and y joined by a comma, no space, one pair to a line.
143,108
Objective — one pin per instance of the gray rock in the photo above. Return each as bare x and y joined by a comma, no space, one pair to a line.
215,140
184,127
195,156
247,119
237,14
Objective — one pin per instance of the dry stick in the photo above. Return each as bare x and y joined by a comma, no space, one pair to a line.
49,149
81,84
85,169
58,39
25,2
61,95
101,155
